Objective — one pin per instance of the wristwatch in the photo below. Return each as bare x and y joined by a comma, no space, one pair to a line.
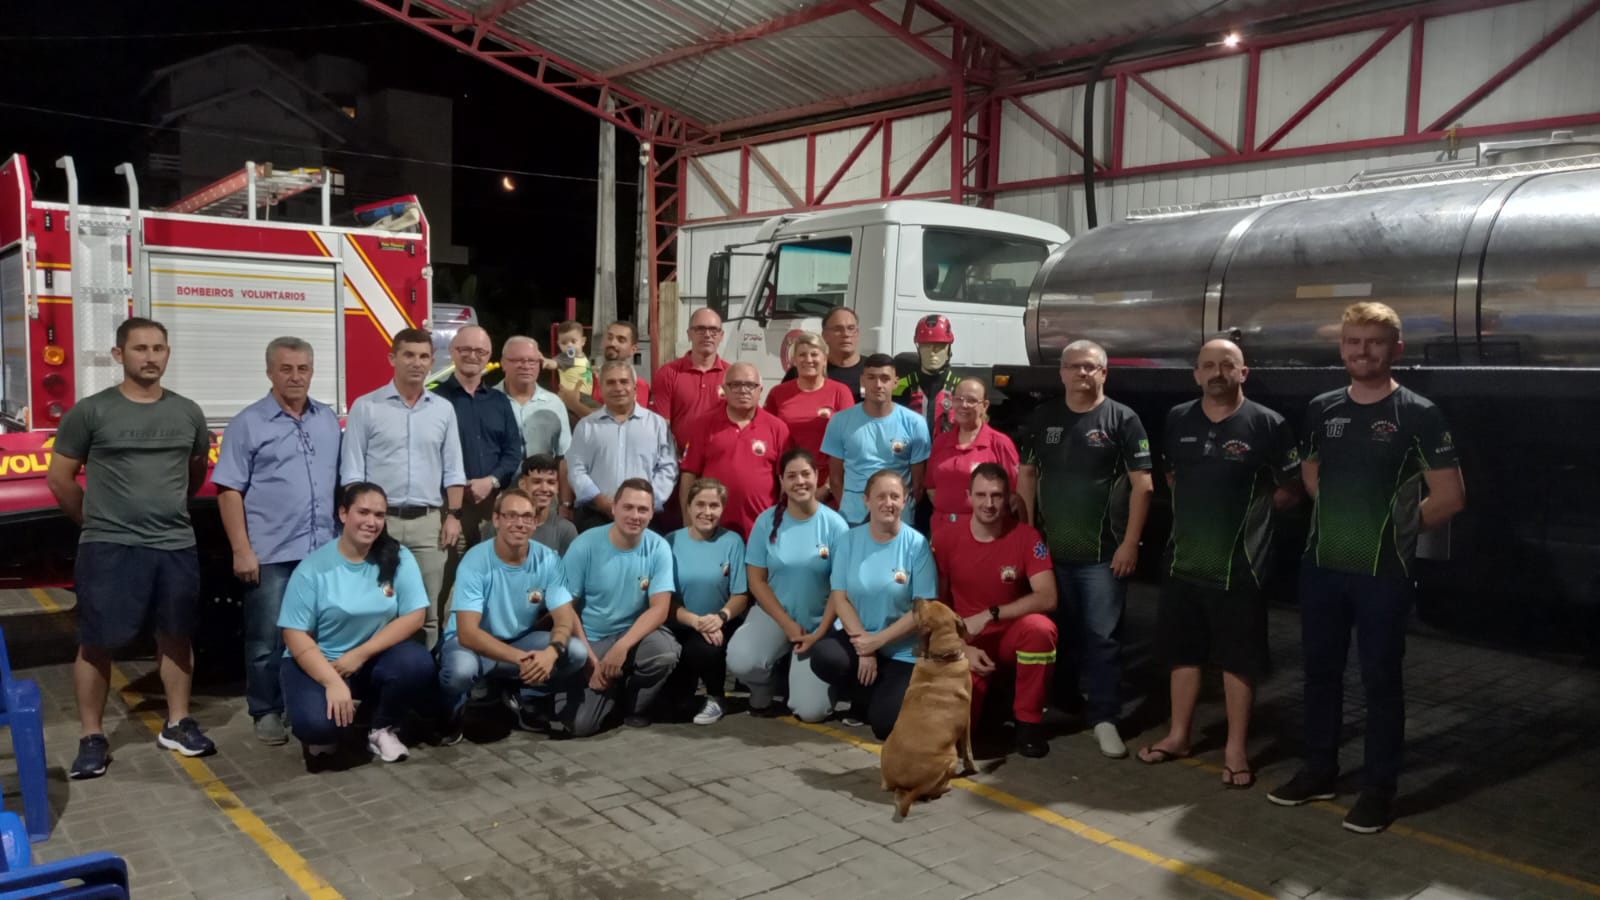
560,648
994,613
453,511
723,615
495,481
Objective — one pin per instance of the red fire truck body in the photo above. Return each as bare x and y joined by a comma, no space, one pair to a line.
223,279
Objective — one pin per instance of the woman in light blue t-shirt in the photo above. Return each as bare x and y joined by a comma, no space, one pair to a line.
789,560
709,605
347,614
880,569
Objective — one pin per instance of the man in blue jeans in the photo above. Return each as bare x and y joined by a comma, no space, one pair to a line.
276,473
1370,450
1086,469
504,590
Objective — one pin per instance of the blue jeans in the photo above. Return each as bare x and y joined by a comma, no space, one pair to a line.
263,639
394,682
1378,608
461,669
1089,610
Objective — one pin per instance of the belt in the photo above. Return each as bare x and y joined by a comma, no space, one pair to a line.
410,512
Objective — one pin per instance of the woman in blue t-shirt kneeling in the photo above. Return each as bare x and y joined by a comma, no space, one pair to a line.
709,605
347,615
879,569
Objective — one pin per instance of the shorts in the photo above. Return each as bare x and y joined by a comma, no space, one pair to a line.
120,586
1197,624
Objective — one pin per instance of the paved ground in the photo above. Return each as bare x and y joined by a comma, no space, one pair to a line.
1498,803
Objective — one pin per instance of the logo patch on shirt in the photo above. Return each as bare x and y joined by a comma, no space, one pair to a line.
901,576
1144,448
644,583
759,448
726,568
1040,551
973,468
1336,426
535,596
1384,430
1008,574
1234,450
824,412
898,445
388,590
1053,435
721,394
1097,438
822,551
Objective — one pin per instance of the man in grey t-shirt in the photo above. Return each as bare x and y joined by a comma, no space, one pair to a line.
538,476
144,451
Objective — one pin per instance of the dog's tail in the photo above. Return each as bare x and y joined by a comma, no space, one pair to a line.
902,804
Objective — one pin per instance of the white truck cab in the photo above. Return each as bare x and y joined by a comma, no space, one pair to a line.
893,263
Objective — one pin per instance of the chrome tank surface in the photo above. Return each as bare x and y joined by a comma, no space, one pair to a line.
1488,266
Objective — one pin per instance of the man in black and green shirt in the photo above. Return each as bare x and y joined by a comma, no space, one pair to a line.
1370,449
1086,470
1230,461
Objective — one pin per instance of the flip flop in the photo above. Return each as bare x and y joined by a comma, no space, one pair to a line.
1229,775
1158,755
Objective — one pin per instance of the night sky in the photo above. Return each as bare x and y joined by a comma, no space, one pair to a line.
530,247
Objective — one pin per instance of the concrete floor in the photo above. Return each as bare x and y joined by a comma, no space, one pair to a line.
1497,801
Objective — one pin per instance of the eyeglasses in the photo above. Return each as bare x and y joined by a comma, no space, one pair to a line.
705,329
742,385
968,401
517,517
472,353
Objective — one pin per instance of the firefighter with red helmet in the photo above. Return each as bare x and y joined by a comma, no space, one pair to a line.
930,387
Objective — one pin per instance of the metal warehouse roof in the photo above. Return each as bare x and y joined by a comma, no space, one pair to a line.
730,65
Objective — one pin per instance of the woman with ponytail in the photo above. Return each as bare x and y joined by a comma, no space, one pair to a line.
347,616
788,560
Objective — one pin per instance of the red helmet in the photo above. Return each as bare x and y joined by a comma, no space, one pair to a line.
935,330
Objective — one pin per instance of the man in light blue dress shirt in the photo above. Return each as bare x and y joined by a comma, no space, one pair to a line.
276,474
621,440
403,437
541,414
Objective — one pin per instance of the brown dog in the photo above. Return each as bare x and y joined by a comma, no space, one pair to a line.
935,724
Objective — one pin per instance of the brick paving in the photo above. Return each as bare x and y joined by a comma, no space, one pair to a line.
1503,760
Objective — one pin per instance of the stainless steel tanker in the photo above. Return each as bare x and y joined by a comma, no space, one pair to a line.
1495,271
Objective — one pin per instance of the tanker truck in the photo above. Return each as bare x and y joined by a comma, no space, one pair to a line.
1494,268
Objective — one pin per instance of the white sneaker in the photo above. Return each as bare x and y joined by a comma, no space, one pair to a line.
1110,741
386,745
709,713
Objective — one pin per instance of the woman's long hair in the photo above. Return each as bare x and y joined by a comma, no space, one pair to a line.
385,550
789,456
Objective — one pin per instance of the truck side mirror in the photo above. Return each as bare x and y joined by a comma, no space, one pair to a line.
717,278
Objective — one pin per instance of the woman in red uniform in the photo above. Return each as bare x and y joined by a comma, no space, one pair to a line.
808,402
958,451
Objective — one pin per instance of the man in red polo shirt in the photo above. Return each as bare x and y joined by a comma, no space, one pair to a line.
739,445
996,573
691,385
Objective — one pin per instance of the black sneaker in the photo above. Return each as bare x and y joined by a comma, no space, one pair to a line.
450,731
1303,788
185,738
1373,812
94,754
636,721
1031,741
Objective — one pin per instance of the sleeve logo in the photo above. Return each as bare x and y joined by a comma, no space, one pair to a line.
1040,551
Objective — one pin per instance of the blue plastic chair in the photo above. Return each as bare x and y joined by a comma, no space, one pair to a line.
20,711
97,876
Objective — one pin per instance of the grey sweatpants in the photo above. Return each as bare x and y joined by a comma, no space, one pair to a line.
755,649
643,676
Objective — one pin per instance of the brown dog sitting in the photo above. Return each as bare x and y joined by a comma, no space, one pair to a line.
935,724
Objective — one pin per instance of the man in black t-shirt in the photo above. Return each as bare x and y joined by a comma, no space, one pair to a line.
1230,461
1086,470
1369,451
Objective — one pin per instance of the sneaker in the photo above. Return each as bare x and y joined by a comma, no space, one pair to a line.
1031,741
1373,812
636,721
271,730
1110,740
450,731
525,715
185,738
1303,788
94,754
386,745
709,713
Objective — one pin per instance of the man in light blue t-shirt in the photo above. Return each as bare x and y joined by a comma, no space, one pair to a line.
512,621
623,576
875,434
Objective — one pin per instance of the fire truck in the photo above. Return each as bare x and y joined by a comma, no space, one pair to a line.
225,274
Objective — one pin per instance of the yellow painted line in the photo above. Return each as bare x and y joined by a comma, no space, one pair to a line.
301,278
1088,832
239,306
293,864
1444,843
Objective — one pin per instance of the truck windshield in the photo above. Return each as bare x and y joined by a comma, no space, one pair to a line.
972,267
808,278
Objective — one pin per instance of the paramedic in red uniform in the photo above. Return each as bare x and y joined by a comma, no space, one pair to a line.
996,573
691,385
959,451
739,445
807,402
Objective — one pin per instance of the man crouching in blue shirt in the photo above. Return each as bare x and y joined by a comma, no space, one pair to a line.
623,575
503,590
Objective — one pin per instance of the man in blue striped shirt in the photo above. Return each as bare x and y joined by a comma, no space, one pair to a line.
621,440
403,437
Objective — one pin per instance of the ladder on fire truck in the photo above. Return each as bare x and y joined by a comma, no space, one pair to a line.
106,264
253,191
